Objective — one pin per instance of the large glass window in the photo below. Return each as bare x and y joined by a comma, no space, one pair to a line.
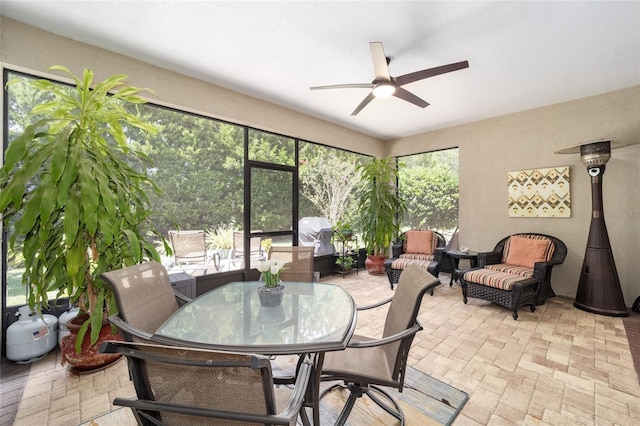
199,166
271,148
429,184
271,200
199,169
328,183
19,100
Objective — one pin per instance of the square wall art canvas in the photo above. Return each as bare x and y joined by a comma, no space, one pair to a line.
539,192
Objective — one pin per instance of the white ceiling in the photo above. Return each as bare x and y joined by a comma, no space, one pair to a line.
521,55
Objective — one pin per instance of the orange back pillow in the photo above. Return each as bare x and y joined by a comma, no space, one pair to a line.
420,242
524,251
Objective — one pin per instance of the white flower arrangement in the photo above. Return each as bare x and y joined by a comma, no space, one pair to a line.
270,270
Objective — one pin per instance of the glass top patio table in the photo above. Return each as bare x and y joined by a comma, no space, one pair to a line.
313,317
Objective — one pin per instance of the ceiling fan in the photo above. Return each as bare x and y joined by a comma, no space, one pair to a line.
384,85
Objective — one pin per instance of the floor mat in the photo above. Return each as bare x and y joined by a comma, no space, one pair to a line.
424,401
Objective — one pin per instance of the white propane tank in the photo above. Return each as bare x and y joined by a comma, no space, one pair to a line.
62,322
31,337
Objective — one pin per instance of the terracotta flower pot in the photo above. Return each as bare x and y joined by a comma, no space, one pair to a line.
88,359
375,264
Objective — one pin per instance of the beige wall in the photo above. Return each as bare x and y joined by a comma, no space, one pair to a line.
23,47
489,149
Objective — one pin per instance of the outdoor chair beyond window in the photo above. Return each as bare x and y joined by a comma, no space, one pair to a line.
255,247
423,248
190,250
144,297
298,262
368,363
186,386
516,273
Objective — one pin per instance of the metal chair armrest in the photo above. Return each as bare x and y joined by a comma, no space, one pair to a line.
296,399
182,299
375,305
125,327
146,405
389,339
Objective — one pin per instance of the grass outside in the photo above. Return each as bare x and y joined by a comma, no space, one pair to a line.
16,292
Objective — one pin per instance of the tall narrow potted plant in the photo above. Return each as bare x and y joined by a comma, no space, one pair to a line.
76,191
380,207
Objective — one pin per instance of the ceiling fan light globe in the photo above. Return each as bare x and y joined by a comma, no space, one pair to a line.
384,90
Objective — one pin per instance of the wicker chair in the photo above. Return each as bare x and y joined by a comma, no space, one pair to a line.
176,385
298,262
516,273
144,297
367,363
428,259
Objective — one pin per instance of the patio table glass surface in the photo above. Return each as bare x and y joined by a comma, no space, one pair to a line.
313,317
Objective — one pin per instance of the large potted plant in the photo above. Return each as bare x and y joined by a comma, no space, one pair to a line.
75,191
379,208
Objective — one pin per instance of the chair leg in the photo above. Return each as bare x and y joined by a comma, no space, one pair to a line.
397,412
356,391
304,418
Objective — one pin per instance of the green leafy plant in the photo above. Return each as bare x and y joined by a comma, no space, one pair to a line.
344,240
220,238
77,194
345,262
379,204
342,232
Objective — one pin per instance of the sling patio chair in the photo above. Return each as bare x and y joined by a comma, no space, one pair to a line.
144,298
368,364
255,248
298,262
190,251
187,386
298,267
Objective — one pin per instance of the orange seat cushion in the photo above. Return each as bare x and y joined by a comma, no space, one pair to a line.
497,279
402,262
523,271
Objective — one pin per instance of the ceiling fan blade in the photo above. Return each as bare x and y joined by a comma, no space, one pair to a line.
410,97
430,72
379,61
363,104
344,86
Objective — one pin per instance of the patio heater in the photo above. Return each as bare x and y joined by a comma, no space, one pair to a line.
599,290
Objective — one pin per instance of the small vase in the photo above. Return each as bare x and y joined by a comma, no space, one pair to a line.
270,296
